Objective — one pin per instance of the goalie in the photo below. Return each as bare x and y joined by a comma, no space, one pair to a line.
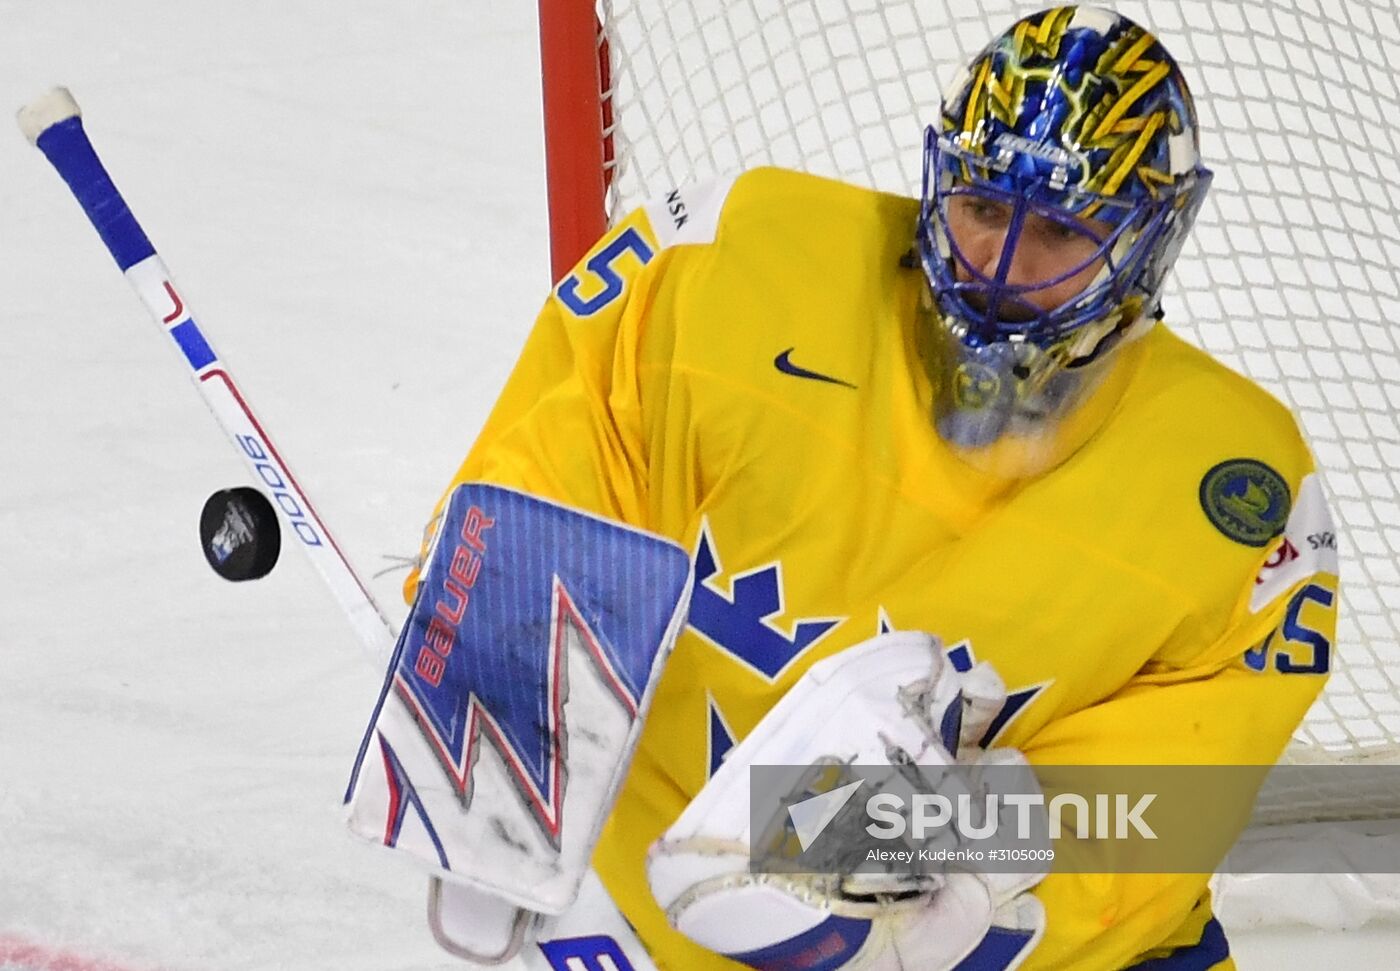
961,414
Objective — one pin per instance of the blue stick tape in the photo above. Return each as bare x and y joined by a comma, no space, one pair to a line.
67,147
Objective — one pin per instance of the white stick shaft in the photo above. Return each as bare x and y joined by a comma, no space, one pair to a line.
54,124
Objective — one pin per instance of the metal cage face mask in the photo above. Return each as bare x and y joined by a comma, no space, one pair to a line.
1103,242
1075,132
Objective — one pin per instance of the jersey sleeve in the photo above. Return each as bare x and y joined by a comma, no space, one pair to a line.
1237,704
589,400
569,424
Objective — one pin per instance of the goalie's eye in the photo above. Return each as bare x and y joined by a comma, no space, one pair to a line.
983,211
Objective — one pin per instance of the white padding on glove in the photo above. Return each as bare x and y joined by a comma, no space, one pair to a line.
894,701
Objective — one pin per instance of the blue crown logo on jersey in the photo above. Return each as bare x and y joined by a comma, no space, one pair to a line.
742,622
483,650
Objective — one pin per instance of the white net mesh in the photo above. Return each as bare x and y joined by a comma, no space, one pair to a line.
1291,277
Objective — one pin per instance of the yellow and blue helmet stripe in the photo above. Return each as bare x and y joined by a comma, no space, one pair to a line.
1072,112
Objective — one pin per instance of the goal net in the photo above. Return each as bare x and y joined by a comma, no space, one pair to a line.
1290,277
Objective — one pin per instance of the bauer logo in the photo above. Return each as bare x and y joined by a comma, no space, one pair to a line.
1008,143
279,486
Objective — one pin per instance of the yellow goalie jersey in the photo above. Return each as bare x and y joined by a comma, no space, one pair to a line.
736,367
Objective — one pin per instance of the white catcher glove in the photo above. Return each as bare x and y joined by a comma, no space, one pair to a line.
892,701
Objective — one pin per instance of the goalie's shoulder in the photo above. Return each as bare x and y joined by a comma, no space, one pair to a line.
1199,481
1216,410
689,214
767,202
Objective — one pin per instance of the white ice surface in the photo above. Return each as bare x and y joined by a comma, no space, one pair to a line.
350,196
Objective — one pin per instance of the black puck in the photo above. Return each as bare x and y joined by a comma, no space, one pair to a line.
239,532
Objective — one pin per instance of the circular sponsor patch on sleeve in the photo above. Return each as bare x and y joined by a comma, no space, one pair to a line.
1246,500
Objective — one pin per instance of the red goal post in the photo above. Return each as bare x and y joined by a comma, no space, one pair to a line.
574,56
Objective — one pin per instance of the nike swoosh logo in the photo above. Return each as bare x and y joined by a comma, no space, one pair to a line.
783,362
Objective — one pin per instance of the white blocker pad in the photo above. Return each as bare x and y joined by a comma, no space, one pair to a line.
514,701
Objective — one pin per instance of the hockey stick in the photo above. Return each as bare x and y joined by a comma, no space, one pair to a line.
592,934
54,124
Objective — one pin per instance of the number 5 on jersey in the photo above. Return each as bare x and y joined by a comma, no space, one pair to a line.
606,272
1306,644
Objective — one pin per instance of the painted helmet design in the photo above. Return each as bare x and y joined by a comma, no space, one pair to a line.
1078,119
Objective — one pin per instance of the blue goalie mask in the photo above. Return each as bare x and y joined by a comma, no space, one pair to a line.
1059,185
